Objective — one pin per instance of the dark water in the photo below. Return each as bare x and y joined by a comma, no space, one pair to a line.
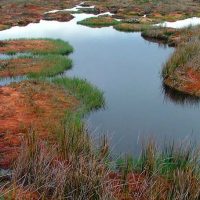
127,68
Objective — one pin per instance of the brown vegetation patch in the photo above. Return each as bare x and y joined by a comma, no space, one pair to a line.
159,10
26,105
23,66
17,193
171,36
138,186
101,21
128,27
21,13
58,16
26,46
20,66
133,187
185,80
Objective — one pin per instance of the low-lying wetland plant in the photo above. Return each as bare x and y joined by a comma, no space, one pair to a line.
181,71
36,46
35,57
183,55
71,170
90,96
52,66
70,167
128,27
35,66
100,21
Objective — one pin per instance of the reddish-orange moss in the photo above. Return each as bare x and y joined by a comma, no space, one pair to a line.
26,105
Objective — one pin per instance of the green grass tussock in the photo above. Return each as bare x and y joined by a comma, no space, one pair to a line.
100,21
90,96
56,64
186,53
128,27
159,33
60,47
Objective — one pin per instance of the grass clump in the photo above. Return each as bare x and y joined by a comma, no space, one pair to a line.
128,27
71,168
169,172
52,66
184,54
101,21
159,34
36,46
90,96
34,66
182,71
61,173
44,57
60,47
171,36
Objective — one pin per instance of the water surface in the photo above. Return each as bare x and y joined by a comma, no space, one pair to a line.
127,68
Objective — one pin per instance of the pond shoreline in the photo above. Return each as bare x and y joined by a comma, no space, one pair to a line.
56,157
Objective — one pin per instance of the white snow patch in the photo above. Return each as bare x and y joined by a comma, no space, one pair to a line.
194,21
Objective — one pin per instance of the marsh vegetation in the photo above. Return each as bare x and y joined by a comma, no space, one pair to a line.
182,70
100,21
50,151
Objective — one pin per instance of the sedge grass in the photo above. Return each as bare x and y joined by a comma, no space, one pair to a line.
90,96
183,54
55,64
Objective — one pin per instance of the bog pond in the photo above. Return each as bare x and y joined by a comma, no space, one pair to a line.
127,68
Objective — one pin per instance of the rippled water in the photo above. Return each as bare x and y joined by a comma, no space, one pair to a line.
127,68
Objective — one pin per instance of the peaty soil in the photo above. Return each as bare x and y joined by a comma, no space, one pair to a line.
24,46
29,105
21,13
186,80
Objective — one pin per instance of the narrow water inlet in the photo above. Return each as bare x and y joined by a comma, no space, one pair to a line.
127,68
9,80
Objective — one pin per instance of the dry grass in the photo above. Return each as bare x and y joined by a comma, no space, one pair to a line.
54,172
69,169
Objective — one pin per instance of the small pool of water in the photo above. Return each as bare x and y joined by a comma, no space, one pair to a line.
127,68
